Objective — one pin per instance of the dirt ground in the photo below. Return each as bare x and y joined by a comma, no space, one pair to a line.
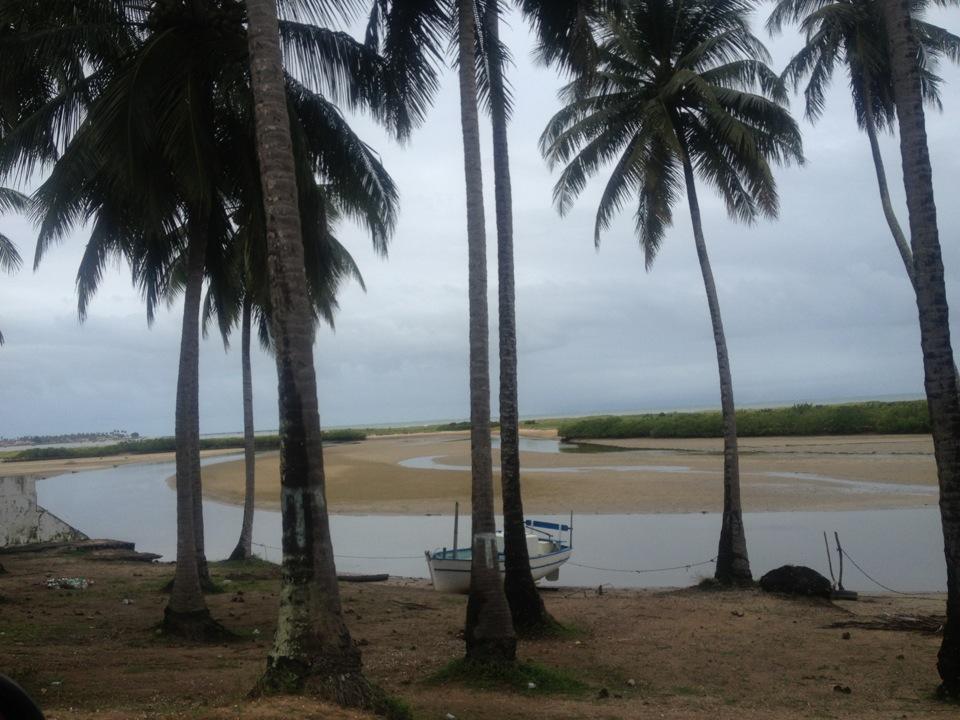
691,653
658,475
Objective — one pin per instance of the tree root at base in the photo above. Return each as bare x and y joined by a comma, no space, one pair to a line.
346,687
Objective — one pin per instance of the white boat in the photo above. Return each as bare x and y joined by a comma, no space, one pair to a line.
546,544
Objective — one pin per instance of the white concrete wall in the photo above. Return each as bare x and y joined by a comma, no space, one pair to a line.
23,521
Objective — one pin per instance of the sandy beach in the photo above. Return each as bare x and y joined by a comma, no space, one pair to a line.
682,654
653,475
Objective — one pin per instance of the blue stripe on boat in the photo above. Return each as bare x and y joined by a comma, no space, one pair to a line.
546,525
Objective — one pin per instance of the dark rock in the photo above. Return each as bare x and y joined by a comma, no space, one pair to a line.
796,580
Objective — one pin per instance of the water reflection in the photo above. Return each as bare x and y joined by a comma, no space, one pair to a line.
553,445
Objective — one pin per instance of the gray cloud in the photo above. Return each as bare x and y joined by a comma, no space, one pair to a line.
816,305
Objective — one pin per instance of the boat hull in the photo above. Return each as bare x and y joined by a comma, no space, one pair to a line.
452,574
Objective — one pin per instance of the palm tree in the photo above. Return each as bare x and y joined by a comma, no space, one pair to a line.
680,88
9,257
852,32
489,631
410,36
526,606
563,28
312,648
940,376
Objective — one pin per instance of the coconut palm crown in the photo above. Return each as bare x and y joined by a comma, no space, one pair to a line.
852,33
674,79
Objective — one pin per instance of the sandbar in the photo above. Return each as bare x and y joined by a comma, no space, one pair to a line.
650,476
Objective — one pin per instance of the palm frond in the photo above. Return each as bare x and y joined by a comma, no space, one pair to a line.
409,36
333,64
852,33
566,30
10,259
353,171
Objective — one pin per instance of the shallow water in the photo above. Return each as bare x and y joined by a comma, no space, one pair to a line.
553,445
901,548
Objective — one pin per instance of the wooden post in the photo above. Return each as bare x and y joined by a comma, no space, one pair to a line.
840,555
829,560
456,522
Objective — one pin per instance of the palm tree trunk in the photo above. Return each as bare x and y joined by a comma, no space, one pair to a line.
733,565
489,633
526,606
186,613
898,237
939,370
203,569
312,651
244,548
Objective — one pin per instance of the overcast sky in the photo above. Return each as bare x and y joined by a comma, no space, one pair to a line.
816,305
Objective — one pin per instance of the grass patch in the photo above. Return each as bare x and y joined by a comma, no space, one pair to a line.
254,565
516,677
568,631
245,575
556,631
393,708
894,418
542,423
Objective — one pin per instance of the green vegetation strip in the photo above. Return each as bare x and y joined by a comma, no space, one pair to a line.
413,429
906,417
165,444
893,418
517,676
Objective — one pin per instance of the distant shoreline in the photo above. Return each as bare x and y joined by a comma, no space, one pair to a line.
905,417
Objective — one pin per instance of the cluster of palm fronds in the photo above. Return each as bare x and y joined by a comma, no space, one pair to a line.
140,116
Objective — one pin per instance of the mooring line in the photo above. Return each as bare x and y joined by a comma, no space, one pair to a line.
647,570
880,584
